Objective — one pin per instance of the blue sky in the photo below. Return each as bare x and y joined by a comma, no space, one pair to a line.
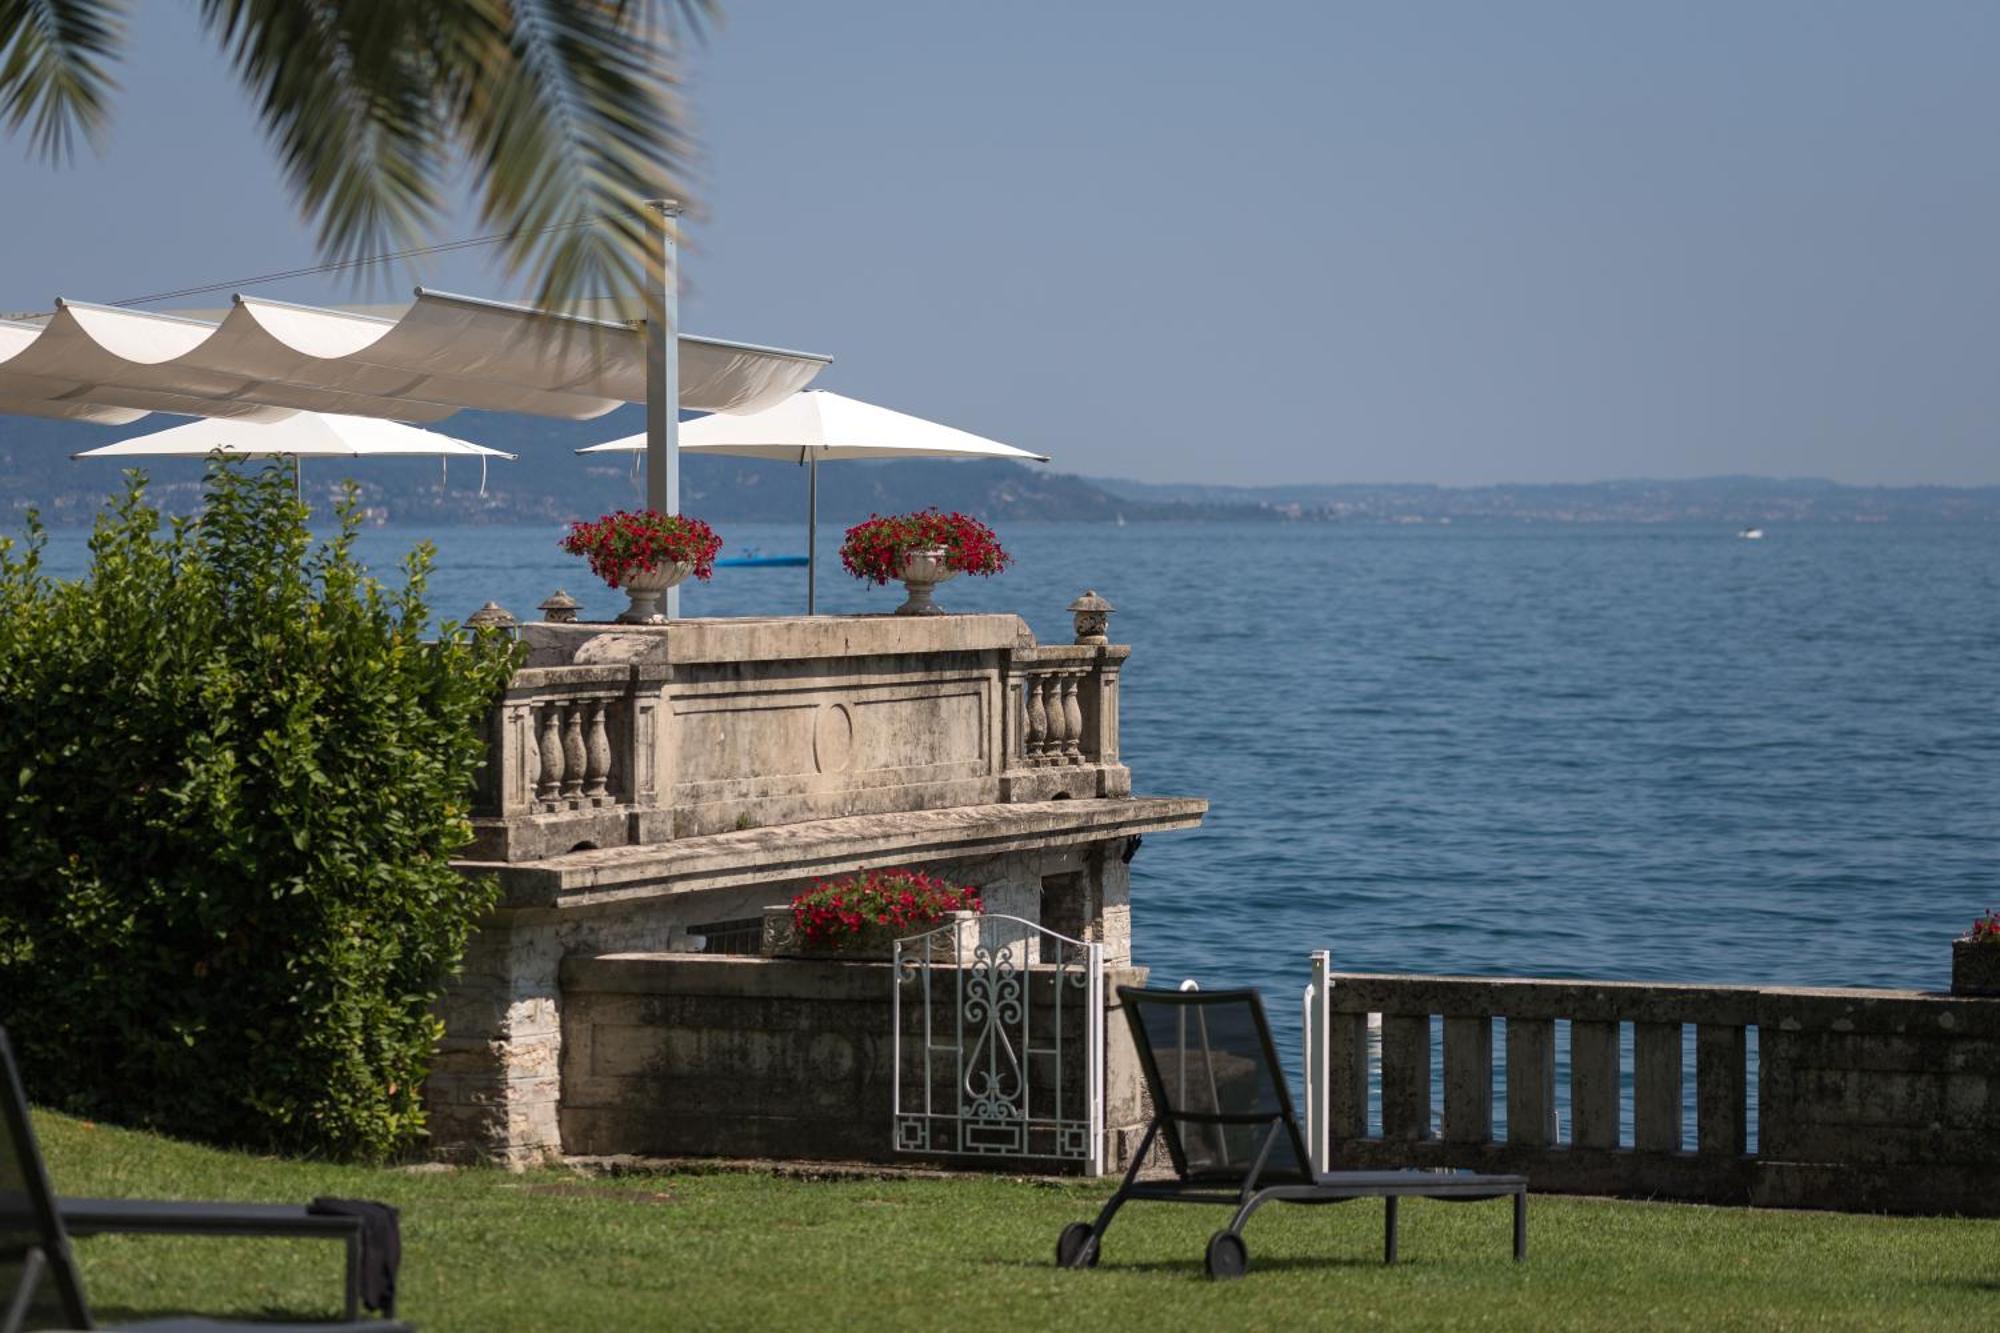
1265,242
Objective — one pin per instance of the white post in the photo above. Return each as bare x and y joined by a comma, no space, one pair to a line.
1094,1044
812,531
1319,1107
663,377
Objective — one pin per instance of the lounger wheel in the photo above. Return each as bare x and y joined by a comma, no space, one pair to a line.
1077,1246
1228,1256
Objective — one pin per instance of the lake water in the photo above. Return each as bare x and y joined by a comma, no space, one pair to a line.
1613,752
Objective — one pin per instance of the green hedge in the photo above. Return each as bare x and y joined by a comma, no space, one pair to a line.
232,774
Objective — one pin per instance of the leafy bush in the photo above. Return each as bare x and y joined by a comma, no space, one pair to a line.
232,775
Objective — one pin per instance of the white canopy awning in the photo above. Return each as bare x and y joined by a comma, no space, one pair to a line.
303,435
267,359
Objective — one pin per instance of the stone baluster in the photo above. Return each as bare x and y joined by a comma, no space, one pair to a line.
575,756
1656,1086
1531,1082
1073,721
1406,1076
548,781
597,754
1035,740
1593,1083
1052,704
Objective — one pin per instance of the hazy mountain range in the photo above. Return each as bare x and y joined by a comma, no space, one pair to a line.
549,483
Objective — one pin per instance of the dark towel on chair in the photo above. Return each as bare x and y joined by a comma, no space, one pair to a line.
381,1248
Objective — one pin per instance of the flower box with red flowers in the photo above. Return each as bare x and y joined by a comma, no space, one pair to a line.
864,914
1975,959
645,553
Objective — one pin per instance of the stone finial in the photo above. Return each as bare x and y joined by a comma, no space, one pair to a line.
491,616
560,608
1092,614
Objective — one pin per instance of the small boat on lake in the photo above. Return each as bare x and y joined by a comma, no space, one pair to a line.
752,559
1752,534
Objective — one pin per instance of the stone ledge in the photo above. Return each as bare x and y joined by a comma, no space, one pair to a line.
774,639
741,977
1786,1010
828,847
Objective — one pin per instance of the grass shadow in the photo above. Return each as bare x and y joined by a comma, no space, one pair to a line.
1193,1265
114,1315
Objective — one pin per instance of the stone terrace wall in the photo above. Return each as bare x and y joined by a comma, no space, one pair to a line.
635,735
685,1055
1871,1100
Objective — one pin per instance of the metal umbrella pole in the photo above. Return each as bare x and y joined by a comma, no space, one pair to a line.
812,529
663,381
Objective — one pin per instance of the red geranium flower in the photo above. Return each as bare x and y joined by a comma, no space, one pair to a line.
625,543
874,550
837,909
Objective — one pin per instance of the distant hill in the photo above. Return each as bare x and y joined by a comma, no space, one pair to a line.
550,483
1732,500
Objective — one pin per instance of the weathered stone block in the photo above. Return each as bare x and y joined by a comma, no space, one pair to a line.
1975,967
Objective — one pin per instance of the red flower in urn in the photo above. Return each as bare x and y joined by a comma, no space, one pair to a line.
626,543
875,550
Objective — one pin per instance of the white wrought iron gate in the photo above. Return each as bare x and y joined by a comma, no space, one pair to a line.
999,1042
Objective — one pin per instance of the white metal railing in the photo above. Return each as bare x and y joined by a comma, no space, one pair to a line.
985,1067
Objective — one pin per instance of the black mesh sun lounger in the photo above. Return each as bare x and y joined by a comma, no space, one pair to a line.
172,1217
1221,1106
40,1286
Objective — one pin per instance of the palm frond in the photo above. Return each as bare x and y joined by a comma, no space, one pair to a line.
55,75
569,114
348,93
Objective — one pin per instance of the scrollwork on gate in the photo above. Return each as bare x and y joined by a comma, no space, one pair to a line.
996,1053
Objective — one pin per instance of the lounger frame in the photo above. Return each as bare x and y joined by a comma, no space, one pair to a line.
1257,1184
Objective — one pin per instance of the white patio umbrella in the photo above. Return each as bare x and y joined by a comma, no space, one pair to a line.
816,424
300,436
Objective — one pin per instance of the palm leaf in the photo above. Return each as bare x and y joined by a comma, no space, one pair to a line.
565,112
348,94
570,118
55,58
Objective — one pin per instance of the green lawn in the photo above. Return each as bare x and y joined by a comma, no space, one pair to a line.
550,1250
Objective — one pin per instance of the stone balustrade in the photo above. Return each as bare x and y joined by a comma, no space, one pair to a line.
1861,1099
631,735
1061,733
570,754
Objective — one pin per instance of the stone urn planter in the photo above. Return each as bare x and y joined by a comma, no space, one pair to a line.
645,587
922,571
783,940
921,550
1975,967
643,552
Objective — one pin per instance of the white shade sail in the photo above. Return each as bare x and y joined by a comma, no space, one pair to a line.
303,435
268,359
817,424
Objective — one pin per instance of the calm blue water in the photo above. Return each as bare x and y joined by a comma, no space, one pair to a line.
1638,753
